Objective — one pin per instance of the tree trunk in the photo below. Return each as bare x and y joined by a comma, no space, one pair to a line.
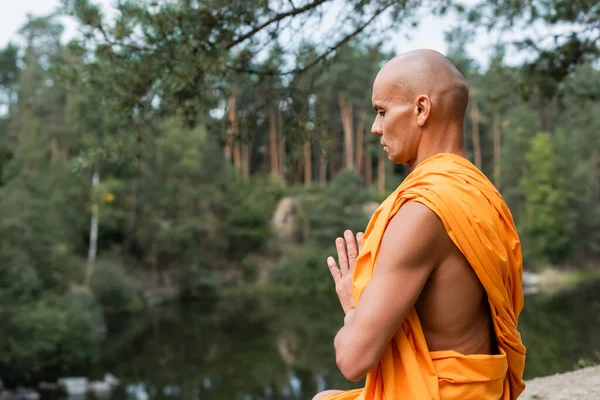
307,162
281,144
497,144
334,154
368,170
273,149
93,232
231,128
237,155
360,134
322,160
246,161
475,128
381,173
245,152
346,111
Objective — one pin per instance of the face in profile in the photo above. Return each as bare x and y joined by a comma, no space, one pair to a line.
396,122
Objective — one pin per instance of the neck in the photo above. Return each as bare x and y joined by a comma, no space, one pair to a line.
448,139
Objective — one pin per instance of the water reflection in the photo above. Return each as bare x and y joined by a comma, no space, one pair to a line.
268,347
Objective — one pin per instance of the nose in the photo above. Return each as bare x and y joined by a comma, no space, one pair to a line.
376,127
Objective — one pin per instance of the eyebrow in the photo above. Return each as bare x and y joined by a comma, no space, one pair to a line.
377,107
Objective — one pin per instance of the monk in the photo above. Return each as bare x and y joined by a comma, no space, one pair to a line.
432,291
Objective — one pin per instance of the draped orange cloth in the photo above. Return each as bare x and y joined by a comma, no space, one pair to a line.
479,222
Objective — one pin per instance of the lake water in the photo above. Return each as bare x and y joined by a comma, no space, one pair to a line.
280,347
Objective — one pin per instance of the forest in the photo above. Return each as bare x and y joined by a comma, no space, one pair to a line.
146,157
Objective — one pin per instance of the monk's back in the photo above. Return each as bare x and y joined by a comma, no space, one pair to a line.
453,307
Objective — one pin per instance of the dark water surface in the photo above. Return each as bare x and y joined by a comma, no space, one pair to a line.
274,347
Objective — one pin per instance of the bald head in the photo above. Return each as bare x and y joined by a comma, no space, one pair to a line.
427,72
421,100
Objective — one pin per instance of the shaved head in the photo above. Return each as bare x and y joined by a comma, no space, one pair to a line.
421,99
427,72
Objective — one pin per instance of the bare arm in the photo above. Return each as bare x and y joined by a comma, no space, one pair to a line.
410,251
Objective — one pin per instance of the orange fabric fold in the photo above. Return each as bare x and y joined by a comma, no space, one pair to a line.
478,221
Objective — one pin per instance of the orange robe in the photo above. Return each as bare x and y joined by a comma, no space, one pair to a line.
480,224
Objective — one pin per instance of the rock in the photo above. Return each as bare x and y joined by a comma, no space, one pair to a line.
138,391
20,394
581,384
530,279
105,387
74,385
284,218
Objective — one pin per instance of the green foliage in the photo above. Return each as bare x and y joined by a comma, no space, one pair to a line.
196,281
195,207
557,54
9,71
47,322
114,288
546,223
522,124
339,209
250,271
247,218
329,214
152,42
84,329
52,331
307,269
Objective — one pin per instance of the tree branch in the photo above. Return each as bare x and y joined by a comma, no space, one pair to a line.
276,18
325,54
113,43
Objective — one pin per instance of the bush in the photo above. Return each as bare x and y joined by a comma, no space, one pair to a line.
340,209
85,328
52,332
306,270
196,281
546,224
116,290
250,271
247,219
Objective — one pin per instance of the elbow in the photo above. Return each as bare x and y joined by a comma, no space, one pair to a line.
354,371
351,362
351,373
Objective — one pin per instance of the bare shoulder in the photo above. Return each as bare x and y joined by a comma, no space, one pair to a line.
417,235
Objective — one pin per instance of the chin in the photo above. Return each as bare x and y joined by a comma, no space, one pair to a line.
395,159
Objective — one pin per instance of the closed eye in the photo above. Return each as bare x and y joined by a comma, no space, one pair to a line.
382,113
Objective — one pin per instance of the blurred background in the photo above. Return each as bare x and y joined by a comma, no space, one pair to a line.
174,174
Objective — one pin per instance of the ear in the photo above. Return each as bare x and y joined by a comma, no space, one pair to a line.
423,109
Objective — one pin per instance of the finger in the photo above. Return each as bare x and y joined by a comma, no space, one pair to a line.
351,248
340,246
359,239
336,274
